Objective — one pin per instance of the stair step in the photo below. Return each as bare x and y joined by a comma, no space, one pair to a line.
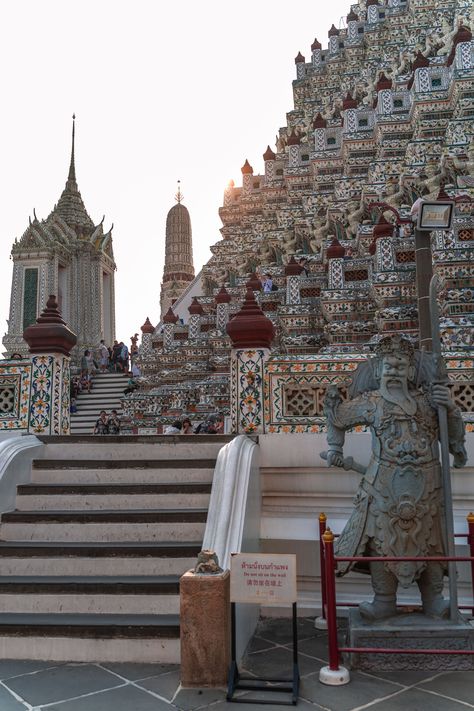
39,464
90,594
126,516
66,558
90,638
110,489
100,585
112,496
98,550
121,476
107,525
130,626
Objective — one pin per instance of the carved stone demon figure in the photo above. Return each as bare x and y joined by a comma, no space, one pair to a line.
398,509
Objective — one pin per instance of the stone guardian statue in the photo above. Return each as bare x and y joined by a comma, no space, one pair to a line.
398,508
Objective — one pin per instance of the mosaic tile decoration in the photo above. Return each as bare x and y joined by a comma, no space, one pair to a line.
41,393
18,379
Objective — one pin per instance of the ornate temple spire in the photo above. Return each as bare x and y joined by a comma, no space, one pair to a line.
70,206
72,167
179,267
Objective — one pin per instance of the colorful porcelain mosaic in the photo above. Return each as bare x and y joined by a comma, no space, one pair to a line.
16,379
248,377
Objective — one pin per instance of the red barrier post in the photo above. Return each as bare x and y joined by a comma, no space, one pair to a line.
470,540
333,673
322,567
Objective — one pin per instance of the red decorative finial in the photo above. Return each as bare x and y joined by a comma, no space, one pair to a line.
269,154
335,249
169,316
147,326
292,268
349,102
383,228
250,328
223,296
319,121
294,139
247,168
254,283
195,309
50,334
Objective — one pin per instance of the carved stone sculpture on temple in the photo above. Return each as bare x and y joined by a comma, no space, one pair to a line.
398,509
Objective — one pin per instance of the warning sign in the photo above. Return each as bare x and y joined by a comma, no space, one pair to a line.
263,578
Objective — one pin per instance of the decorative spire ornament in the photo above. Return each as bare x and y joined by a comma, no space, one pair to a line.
179,195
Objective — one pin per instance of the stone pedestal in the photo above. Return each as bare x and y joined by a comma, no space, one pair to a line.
410,631
205,629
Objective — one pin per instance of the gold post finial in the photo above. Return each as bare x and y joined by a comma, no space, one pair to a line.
328,536
470,517
323,518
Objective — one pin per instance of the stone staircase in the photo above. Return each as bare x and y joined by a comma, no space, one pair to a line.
91,556
106,393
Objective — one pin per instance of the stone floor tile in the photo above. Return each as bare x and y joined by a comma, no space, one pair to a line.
187,699
404,678
61,683
125,698
418,700
165,685
256,644
276,662
16,667
361,690
458,685
139,671
314,647
302,704
8,702
280,630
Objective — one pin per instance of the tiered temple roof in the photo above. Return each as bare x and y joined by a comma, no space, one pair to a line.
382,116
68,255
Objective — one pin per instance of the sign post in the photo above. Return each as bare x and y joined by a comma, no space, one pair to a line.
262,578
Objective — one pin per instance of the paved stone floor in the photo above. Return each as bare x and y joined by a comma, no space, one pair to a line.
155,687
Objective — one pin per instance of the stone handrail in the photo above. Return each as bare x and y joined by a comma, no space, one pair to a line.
16,453
233,521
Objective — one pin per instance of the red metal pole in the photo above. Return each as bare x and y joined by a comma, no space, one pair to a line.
328,540
322,563
470,540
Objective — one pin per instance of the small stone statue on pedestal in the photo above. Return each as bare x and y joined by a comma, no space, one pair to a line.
398,509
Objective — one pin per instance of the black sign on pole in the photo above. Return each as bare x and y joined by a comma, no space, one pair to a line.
257,578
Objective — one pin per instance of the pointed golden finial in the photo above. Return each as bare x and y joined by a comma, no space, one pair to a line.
179,195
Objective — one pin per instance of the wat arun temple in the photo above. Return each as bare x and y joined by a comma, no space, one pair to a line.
382,116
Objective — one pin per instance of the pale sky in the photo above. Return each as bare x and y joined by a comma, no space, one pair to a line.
162,91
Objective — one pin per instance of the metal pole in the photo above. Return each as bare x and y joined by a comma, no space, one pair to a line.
328,539
444,446
424,272
470,540
322,566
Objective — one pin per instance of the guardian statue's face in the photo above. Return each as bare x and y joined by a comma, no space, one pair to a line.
395,374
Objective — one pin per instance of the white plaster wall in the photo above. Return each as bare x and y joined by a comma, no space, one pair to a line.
181,305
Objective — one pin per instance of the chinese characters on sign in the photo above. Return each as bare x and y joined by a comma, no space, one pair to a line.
263,578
